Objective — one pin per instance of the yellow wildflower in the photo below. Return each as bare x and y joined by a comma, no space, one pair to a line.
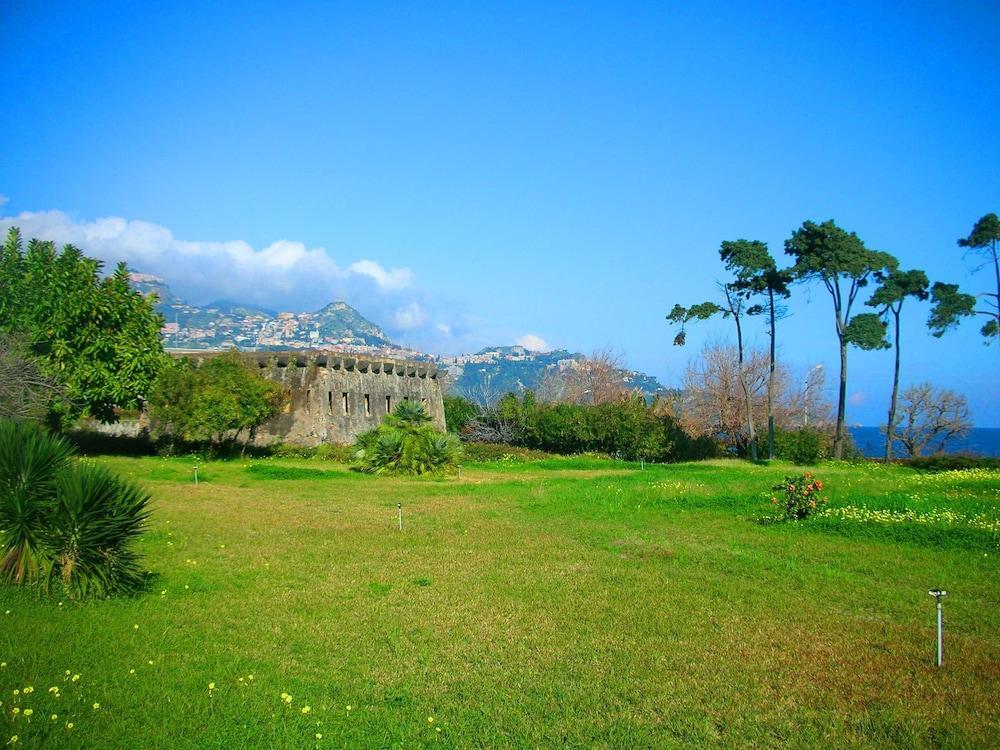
28,711
430,719
97,706
15,710
76,678
319,736
306,709
29,689
211,686
13,739
55,717
69,725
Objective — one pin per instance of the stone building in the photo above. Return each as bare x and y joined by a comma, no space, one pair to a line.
336,397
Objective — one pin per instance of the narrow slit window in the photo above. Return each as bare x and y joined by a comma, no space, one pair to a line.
388,404
368,405
329,402
406,398
343,401
308,399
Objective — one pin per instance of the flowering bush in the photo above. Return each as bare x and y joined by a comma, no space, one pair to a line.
802,497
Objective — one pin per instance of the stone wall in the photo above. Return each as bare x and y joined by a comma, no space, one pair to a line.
335,397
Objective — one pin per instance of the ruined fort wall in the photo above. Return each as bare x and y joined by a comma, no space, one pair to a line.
334,398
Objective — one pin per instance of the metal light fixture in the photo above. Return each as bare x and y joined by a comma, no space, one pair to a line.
938,594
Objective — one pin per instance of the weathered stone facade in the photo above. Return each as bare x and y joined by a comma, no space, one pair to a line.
336,397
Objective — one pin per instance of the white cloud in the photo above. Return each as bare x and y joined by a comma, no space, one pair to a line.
533,343
3,199
857,398
410,317
284,275
397,278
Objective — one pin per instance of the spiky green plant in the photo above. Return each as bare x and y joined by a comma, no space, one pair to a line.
406,443
98,517
30,464
64,522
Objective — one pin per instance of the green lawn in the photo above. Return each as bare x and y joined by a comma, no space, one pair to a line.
562,603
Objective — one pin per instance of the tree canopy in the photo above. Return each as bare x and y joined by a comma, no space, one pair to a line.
984,240
844,265
95,336
214,402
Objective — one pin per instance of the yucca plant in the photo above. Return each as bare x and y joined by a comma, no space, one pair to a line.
64,522
31,462
406,443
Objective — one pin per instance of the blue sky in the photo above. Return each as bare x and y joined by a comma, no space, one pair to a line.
474,174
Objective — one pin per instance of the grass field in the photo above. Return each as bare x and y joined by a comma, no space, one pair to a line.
560,603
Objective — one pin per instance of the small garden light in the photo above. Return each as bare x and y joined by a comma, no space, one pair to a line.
196,475
938,594
399,508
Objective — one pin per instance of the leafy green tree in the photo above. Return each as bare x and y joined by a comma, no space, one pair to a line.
843,264
215,401
757,273
983,241
95,336
458,412
949,306
889,297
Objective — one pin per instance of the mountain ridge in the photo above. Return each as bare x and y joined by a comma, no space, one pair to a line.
337,326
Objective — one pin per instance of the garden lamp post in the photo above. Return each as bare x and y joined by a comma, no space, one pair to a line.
938,594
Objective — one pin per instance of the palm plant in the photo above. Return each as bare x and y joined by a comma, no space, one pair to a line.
406,443
98,517
65,521
30,464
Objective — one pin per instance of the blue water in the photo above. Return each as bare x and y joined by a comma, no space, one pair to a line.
981,441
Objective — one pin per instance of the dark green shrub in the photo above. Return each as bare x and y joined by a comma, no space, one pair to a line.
629,429
406,443
65,522
488,452
951,463
802,446
335,452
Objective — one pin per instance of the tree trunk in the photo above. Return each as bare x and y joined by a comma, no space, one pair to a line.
746,391
996,272
838,435
890,428
770,382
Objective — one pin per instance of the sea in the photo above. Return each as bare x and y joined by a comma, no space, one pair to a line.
981,441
